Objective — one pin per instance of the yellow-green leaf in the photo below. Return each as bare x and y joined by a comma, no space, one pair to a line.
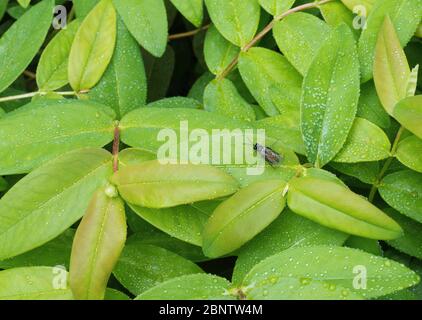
147,22
193,10
335,206
155,185
52,71
365,143
34,283
98,243
93,47
391,69
241,217
409,113
409,152
237,20
50,199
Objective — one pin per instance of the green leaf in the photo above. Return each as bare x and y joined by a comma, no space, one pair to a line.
218,52
183,222
366,172
3,8
3,184
299,36
98,243
147,22
237,20
155,185
367,245
92,47
53,253
197,90
370,106
330,97
21,42
391,69
52,70
113,294
124,85
323,272
335,13
35,283
403,191
409,152
261,69
165,241
405,15
193,10
83,7
143,266
221,96
276,7
411,242
240,218
409,113
190,287
50,199
176,102
159,73
366,142
335,206
24,3
42,131
287,231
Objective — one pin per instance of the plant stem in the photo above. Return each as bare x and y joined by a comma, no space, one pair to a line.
386,165
29,74
116,148
189,33
266,30
41,93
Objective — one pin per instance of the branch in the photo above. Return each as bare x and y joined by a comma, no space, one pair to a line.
116,148
386,166
40,93
189,33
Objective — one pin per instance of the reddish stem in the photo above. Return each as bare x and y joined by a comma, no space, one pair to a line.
116,147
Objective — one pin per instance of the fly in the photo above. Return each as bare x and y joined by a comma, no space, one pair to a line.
271,156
